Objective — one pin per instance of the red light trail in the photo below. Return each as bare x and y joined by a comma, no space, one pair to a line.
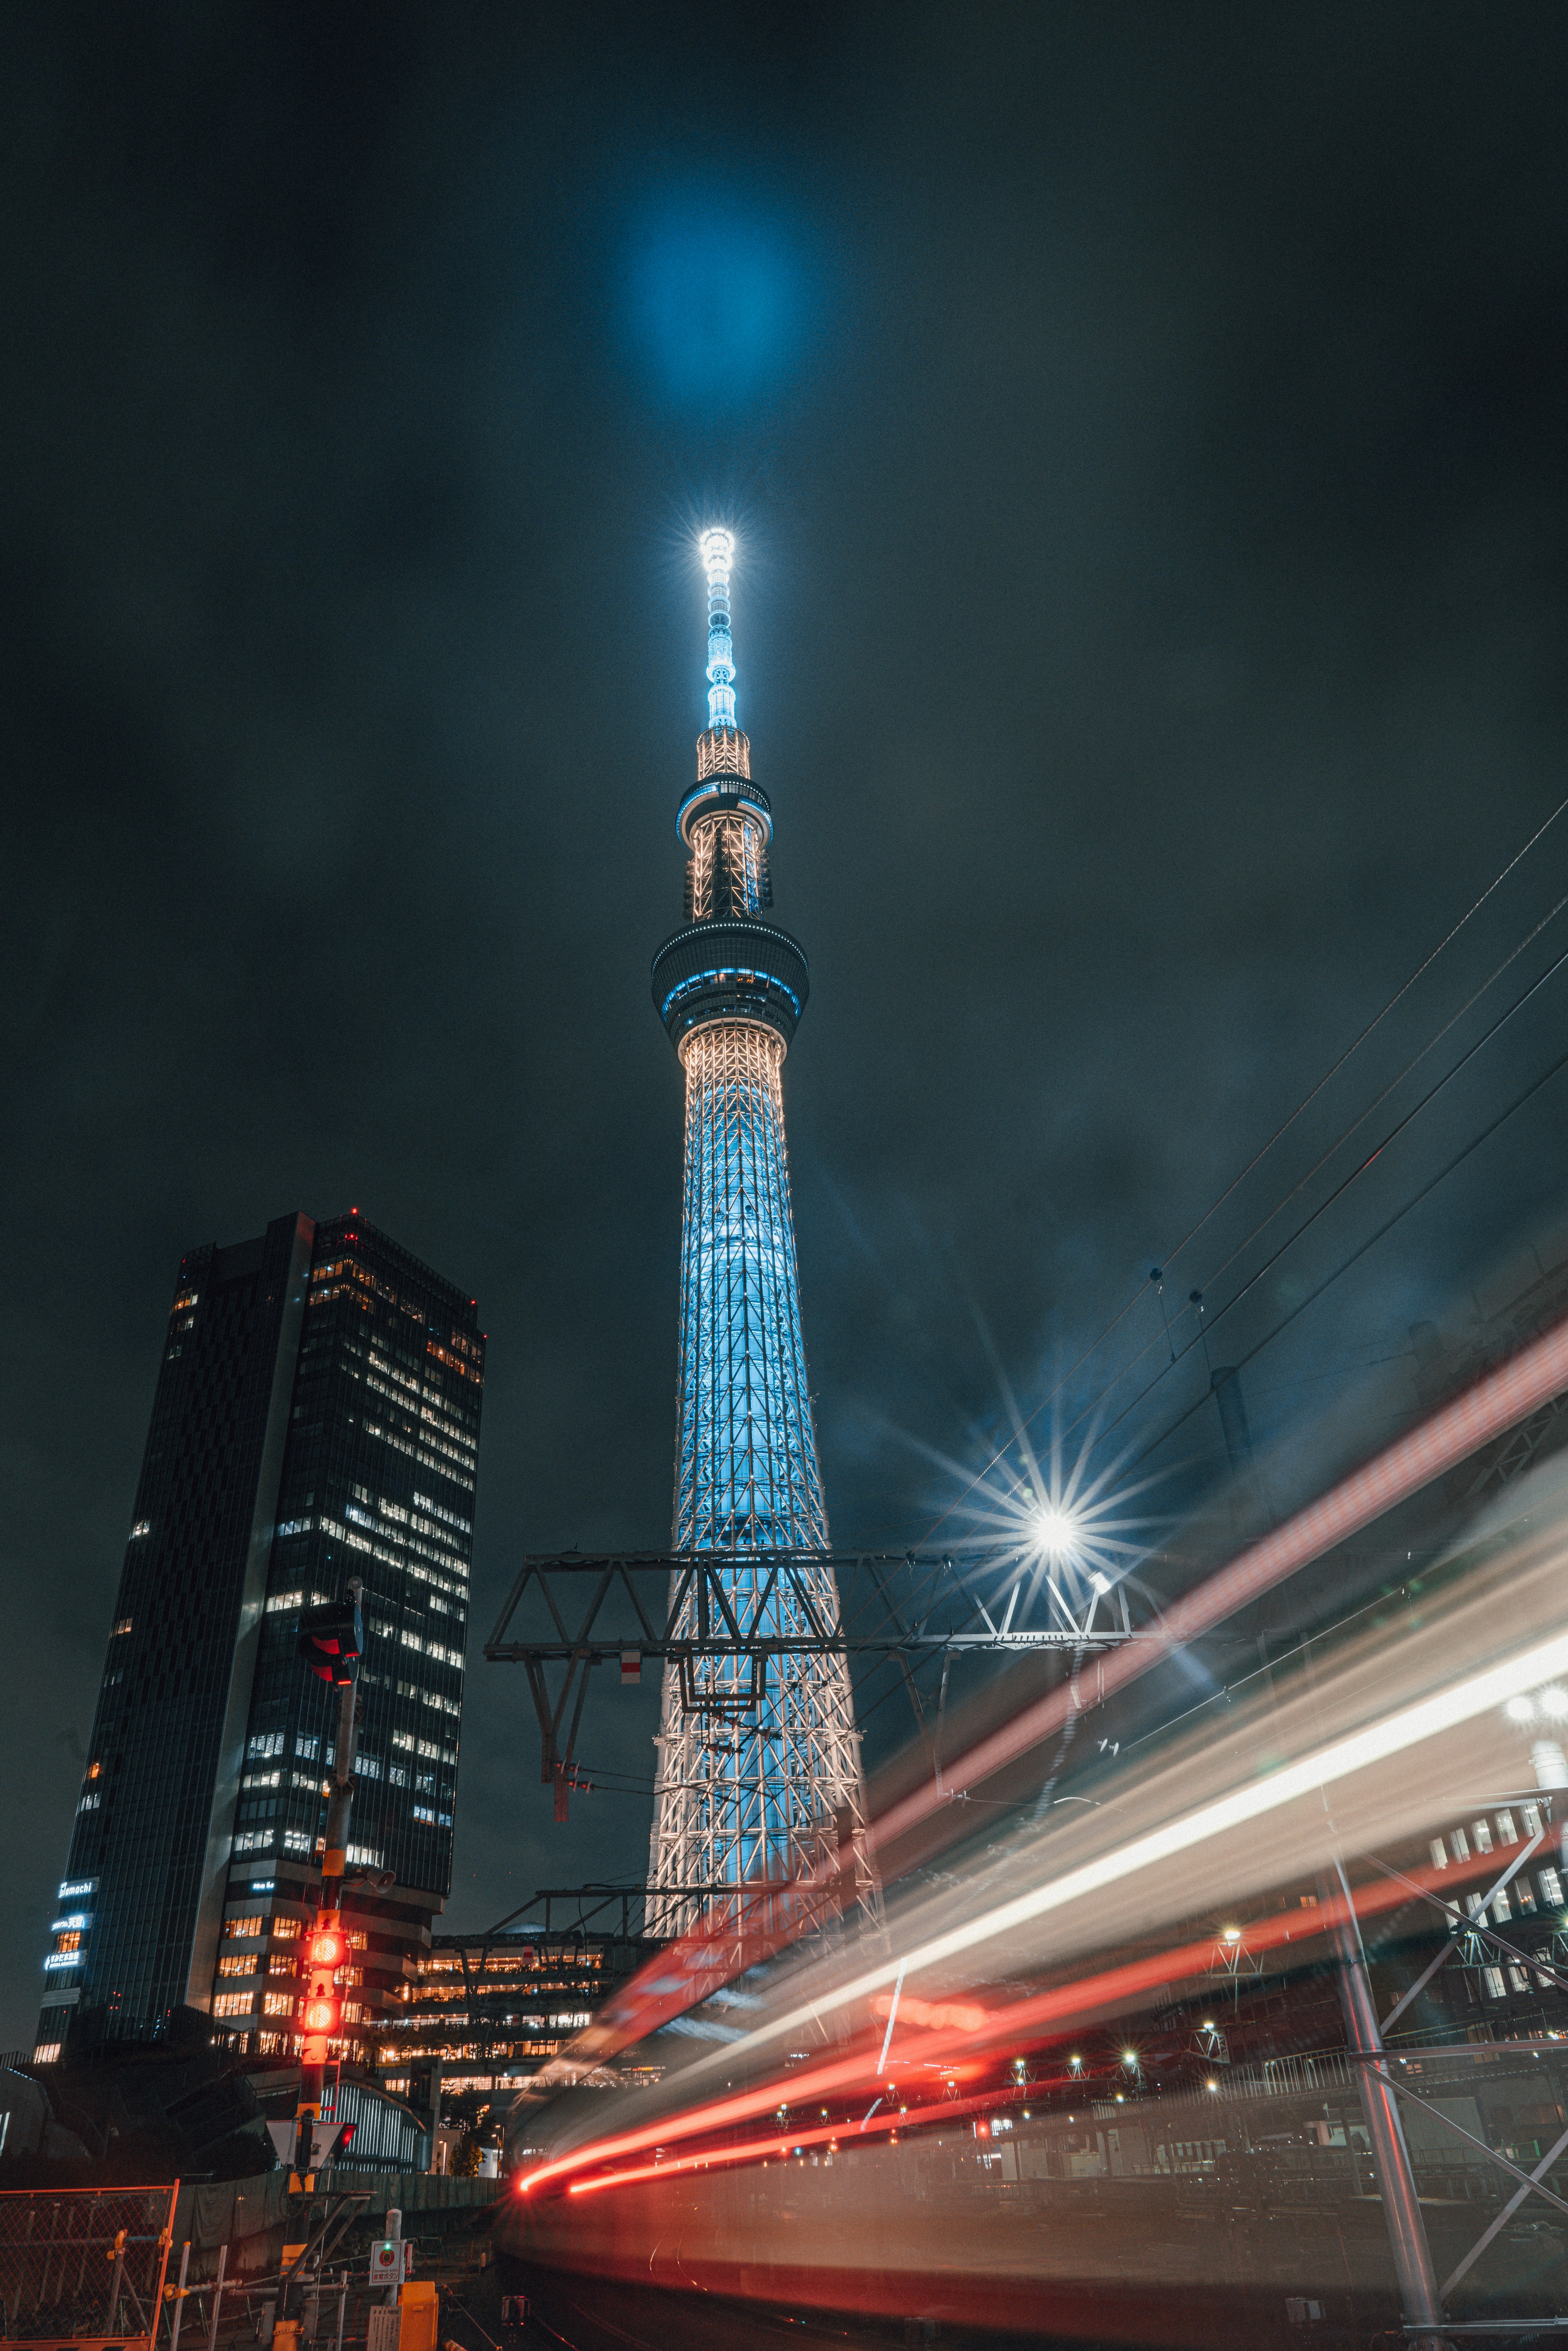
1068,2006
686,1971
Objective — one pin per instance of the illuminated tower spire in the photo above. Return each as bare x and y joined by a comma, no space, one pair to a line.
757,1776
718,549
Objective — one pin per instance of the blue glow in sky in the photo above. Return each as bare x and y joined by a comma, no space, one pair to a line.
718,301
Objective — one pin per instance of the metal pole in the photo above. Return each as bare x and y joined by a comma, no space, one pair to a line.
180,2297
334,1863
342,2307
1396,2179
217,2298
113,2327
343,1798
394,2233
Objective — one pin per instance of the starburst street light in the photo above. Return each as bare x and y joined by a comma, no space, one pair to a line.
1058,1531
1076,1525
1072,1515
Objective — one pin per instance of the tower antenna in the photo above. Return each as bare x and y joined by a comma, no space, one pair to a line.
718,554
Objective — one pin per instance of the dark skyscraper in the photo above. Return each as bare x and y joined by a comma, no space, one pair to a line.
317,1417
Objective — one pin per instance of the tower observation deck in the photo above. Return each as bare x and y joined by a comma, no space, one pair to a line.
758,1777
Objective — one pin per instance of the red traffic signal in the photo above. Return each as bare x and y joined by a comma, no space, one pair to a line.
332,1640
326,1948
321,2017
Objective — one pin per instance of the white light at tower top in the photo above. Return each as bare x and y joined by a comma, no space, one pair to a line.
718,552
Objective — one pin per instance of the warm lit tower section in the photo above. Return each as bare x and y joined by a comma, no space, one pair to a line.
759,1766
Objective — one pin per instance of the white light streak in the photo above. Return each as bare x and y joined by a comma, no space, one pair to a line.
1377,1743
891,2013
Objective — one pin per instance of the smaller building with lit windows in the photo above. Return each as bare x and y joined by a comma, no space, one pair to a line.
490,2011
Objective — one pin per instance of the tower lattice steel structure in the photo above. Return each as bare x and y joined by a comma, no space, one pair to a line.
758,1777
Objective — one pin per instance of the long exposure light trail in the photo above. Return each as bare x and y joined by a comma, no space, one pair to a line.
774,2148
1072,2004
1377,1743
1495,1403
1064,2006
686,1972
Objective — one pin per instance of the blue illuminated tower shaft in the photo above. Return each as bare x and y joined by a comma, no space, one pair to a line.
745,1476
760,1779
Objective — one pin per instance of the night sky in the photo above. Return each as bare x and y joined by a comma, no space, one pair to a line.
1143,429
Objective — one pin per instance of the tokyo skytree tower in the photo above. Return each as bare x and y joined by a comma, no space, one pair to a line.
758,1775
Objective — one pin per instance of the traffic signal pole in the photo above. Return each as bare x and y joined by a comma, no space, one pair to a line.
330,1642
326,1947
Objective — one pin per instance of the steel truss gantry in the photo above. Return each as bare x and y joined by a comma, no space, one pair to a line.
1386,2069
755,1612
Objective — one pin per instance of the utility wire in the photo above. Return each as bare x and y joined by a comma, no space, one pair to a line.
1120,1317
1339,1190
1398,994
1176,1356
1394,1083
1308,1221
1360,1251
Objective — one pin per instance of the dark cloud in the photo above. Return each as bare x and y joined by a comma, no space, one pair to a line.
1144,432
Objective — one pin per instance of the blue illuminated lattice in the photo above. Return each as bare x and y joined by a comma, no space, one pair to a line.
748,1478
750,1786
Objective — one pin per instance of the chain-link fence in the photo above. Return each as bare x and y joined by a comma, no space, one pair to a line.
83,2264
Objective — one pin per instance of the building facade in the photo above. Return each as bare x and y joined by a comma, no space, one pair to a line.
756,1778
487,2011
316,1418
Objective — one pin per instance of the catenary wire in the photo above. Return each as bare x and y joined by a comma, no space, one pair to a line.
1176,1356
1344,1265
1376,1023
1394,1083
1360,1251
1118,1317
1324,1205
